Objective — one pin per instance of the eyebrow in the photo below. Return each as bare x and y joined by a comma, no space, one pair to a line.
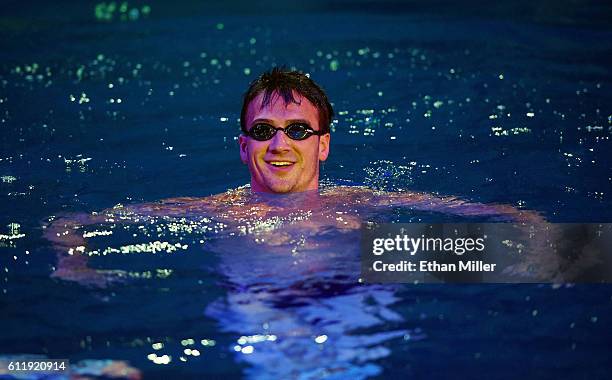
288,122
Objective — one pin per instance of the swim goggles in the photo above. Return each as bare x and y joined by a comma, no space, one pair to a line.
296,131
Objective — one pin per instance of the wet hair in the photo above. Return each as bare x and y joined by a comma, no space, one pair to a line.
281,81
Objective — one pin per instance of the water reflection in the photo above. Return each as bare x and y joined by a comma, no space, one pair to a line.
294,298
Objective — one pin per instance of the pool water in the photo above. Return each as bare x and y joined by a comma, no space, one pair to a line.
492,103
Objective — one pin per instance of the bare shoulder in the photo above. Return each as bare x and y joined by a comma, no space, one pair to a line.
179,206
232,195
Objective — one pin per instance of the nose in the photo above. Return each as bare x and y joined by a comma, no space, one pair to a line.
279,142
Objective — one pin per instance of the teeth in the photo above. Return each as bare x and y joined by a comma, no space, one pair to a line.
280,163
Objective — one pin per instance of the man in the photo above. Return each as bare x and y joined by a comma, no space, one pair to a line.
291,103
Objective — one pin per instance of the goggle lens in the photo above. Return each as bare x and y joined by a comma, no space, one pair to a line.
262,132
297,131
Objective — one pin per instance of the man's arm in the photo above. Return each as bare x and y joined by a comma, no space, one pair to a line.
541,260
456,206
359,195
66,232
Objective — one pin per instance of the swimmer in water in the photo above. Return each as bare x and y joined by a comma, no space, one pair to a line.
285,122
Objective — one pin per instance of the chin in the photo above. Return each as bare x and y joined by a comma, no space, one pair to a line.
281,188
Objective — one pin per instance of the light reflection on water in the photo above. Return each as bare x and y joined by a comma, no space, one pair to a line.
305,295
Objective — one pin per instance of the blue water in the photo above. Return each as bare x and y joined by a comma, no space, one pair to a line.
492,103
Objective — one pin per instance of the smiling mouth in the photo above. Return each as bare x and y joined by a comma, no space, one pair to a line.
280,164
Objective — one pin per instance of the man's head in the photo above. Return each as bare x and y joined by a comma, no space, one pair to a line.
288,161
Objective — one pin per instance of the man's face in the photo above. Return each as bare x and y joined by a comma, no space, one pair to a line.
283,165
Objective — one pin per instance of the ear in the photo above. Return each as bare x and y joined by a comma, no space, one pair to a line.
244,148
324,146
